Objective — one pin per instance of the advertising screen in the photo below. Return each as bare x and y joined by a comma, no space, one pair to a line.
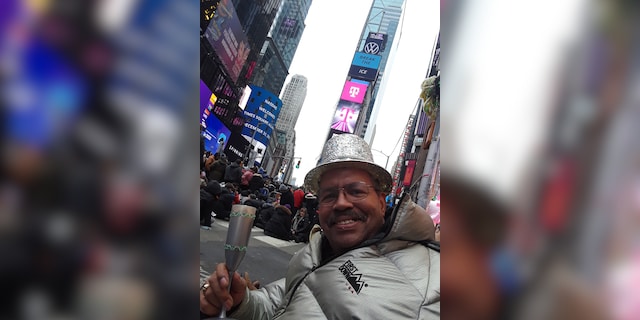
225,35
346,116
379,39
366,83
408,174
366,60
363,73
209,108
236,147
354,92
205,94
261,114
215,135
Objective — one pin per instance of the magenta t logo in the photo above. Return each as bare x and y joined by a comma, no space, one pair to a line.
354,92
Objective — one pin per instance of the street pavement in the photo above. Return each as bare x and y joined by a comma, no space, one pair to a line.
266,260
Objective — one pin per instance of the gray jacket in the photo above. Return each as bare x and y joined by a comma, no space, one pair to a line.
394,278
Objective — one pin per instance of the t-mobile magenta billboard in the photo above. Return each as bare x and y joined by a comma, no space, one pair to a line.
354,92
346,116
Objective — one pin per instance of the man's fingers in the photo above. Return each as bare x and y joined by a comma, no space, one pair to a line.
238,283
207,307
218,287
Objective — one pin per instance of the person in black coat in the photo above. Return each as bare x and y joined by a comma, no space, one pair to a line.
279,225
311,203
301,226
256,182
286,197
264,214
217,168
209,200
223,210
233,173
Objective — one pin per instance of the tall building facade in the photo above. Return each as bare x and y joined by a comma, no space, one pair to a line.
274,29
281,44
384,18
292,98
362,85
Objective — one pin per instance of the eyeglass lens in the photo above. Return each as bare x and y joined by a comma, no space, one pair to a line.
353,192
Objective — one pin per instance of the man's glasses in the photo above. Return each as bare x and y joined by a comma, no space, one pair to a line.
353,192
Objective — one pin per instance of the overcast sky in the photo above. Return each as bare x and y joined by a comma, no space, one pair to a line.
324,56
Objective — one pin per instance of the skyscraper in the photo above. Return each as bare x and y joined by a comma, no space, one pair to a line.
292,98
384,18
280,46
362,86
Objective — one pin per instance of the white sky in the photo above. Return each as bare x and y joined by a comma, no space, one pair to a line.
324,56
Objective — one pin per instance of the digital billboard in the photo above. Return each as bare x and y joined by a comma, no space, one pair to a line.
225,35
205,93
215,134
209,109
346,116
261,114
207,102
236,147
377,42
354,92
366,60
366,83
363,73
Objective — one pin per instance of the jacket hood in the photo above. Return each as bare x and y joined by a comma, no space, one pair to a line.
204,195
409,222
284,208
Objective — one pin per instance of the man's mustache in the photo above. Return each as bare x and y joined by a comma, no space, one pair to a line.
351,214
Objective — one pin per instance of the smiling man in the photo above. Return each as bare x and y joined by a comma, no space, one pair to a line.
359,263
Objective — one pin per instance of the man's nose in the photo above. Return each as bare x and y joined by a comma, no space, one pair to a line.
342,201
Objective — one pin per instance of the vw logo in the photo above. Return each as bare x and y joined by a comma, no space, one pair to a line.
371,47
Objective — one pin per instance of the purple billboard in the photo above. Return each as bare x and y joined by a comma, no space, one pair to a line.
225,35
216,135
205,105
346,116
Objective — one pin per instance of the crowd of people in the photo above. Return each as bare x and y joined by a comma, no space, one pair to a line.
283,211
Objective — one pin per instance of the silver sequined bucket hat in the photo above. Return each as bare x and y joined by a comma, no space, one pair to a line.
348,151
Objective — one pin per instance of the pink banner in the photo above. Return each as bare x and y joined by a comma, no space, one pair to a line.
354,92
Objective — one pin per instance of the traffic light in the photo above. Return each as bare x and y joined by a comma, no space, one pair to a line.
298,165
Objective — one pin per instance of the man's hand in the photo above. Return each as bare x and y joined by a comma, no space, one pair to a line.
251,285
214,293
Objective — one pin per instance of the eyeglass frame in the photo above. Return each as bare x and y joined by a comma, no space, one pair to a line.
346,194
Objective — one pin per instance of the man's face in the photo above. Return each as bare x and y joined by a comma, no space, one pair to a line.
348,223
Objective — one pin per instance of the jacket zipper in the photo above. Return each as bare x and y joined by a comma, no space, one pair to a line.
294,290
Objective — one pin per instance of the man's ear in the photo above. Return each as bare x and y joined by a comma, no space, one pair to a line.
383,203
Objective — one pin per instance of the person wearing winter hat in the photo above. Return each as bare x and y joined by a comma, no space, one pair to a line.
356,254
286,196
